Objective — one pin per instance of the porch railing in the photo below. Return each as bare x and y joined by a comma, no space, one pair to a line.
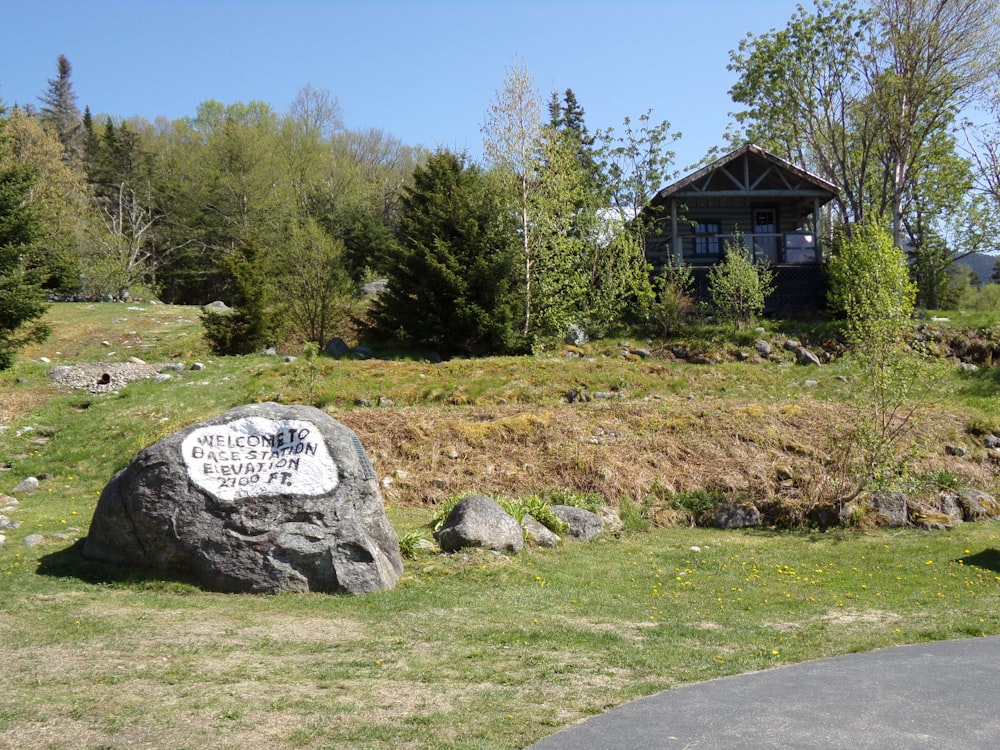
774,248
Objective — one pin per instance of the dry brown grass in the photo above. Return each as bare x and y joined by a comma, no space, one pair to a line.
623,449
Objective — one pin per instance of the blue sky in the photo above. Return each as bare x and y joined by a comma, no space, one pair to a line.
424,70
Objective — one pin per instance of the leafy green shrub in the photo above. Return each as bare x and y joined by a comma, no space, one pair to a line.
738,287
409,543
697,501
633,516
674,302
943,479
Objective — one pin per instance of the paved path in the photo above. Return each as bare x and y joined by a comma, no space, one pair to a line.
943,695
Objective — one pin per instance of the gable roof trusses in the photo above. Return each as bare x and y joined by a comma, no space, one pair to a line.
749,171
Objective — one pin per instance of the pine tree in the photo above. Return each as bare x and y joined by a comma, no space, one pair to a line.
22,301
451,276
60,110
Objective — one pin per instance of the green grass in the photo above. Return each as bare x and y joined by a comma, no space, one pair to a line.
471,650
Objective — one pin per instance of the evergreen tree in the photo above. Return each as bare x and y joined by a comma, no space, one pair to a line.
59,109
22,301
451,273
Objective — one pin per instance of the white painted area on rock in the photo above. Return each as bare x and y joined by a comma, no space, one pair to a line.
255,457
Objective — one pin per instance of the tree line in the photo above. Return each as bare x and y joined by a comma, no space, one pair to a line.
283,215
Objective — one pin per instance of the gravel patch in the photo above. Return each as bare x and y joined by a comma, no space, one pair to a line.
101,378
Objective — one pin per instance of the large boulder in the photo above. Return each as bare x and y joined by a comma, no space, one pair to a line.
479,521
264,499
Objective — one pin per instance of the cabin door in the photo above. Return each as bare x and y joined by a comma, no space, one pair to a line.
765,237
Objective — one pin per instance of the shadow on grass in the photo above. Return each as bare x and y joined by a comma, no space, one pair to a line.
70,563
988,559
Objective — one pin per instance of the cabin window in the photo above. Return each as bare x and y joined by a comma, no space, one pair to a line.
706,238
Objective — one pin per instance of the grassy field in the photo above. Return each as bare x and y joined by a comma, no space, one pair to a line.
470,650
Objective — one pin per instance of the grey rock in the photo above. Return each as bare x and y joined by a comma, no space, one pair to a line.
890,508
581,524
386,402
955,450
217,305
162,377
175,367
811,383
538,533
136,361
26,486
479,521
806,357
362,401
978,506
736,516
992,441
2,540
969,367
612,521
289,359
763,348
263,499
576,336
33,540
791,345
680,351
336,347
363,352
197,366
270,352
642,352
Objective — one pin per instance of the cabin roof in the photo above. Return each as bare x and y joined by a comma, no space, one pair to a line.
749,170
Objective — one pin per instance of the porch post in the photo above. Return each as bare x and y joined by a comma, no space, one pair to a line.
816,228
678,251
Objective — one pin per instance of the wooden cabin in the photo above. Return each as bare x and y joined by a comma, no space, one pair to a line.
775,206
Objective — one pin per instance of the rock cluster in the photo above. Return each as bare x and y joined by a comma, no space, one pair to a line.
478,521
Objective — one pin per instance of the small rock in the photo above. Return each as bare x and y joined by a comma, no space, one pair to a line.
451,453
694,548
538,533
840,379
105,343
162,377
363,352
197,366
441,483
763,348
576,336
33,540
270,352
217,305
806,357
136,361
362,402
811,383
955,450
791,345
289,359
336,347
44,360
992,441
385,401
27,485
969,367
644,353
175,367
581,524
2,540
